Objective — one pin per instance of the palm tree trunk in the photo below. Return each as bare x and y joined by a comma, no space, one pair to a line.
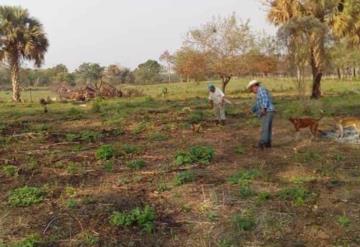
225,81
14,70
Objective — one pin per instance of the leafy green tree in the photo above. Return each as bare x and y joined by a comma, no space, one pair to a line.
338,17
21,38
148,72
89,73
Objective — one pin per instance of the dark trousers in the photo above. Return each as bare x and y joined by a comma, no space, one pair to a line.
266,128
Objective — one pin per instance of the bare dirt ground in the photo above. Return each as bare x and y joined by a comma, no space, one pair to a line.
305,192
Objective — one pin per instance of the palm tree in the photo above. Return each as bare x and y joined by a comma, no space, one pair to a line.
21,38
337,16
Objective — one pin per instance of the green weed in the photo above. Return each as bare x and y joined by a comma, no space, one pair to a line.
246,192
71,203
130,149
136,164
142,217
184,177
10,170
243,222
243,177
25,196
197,154
108,166
29,241
105,152
295,194
343,221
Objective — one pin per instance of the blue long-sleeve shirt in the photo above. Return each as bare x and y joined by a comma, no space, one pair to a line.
263,101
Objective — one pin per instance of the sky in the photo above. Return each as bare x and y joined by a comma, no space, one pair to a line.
127,32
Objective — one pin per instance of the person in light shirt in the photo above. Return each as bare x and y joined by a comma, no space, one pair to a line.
217,102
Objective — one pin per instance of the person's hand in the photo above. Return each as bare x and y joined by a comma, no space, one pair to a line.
263,112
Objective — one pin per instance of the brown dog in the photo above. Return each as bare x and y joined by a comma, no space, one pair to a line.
346,123
302,123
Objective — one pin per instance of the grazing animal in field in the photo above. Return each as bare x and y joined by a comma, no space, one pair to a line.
346,123
303,123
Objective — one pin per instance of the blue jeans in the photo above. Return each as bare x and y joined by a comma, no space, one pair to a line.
266,128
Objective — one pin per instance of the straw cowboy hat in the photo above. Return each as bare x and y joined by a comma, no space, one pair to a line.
252,83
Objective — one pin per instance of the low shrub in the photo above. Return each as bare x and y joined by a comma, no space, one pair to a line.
184,177
243,222
105,152
297,195
243,177
142,217
136,164
25,196
197,154
10,170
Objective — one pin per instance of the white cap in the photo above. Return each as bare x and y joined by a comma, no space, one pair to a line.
252,83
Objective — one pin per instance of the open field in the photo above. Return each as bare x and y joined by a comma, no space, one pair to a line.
131,172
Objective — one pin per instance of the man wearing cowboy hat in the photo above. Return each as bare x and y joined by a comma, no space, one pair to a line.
264,109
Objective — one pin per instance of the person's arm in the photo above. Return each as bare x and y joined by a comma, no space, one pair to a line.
264,101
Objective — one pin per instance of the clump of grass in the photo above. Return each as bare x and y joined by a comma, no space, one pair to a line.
142,217
105,152
243,177
240,150
162,187
108,166
246,192
184,177
157,136
136,164
89,239
243,222
72,168
71,203
344,221
263,196
25,196
296,195
29,241
10,170
130,149
197,154
141,127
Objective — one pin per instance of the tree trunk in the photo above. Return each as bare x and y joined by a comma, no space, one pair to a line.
339,73
14,70
317,75
225,81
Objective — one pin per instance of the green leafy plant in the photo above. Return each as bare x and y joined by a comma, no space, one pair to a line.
184,177
240,150
29,241
142,217
295,194
196,154
243,177
136,164
71,203
105,152
343,221
263,196
72,168
157,136
246,192
243,222
25,196
129,149
108,166
10,170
